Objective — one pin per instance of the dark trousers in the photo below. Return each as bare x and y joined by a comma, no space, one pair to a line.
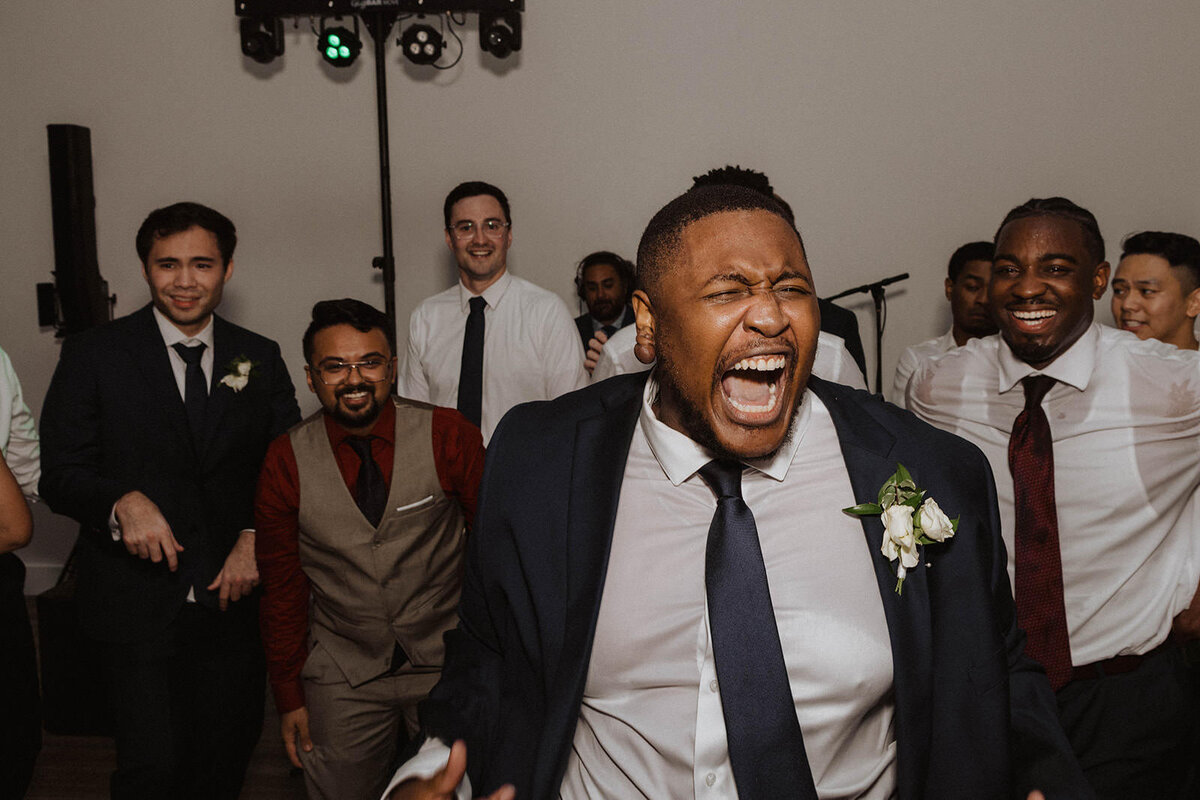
20,711
1135,733
188,706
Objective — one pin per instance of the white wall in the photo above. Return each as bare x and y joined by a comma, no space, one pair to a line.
896,130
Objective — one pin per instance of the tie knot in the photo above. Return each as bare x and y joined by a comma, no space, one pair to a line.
478,304
1036,387
191,354
360,445
723,477
609,330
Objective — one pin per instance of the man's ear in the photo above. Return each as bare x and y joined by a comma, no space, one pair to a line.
228,271
643,312
308,377
949,288
1192,306
1100,280
449,240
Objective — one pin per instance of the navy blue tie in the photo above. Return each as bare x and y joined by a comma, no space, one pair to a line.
195,388
766,746
470,374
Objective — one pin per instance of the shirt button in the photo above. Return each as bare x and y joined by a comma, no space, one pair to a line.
710,779
712,685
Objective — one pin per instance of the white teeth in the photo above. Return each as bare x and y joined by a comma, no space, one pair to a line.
761,363
749,409
1033,316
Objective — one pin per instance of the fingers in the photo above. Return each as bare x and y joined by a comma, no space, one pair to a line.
447,779
305,739
170,547
289,743
1036,795
505,792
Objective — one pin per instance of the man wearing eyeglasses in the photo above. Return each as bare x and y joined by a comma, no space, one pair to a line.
379,557
494,340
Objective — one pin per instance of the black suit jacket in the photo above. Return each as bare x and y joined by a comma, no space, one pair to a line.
584,323
843,323
113,422
975,718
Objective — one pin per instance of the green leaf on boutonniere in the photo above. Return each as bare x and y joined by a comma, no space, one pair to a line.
863,509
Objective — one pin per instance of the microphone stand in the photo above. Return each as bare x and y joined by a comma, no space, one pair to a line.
876,291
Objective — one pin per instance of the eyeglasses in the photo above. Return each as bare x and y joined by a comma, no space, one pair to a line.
333,373
493,228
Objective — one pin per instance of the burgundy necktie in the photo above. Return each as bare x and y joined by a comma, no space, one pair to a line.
1039,581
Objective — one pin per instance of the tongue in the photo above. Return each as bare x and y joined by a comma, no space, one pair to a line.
746,390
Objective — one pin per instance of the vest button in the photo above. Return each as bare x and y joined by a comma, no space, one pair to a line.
375,543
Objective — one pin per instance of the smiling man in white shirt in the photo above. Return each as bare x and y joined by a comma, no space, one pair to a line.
1123,419
492,340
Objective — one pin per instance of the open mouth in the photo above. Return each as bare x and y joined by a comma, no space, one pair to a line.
355,399
1033,320
753,388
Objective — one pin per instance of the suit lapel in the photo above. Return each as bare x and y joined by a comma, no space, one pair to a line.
219,396
597,467
154,363
867,450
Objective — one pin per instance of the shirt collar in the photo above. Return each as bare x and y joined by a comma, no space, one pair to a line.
492,294
681,457
172,335
384,428
1073,367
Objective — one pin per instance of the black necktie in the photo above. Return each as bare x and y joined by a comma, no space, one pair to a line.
766,746
470,375
609,330
370,491
195,388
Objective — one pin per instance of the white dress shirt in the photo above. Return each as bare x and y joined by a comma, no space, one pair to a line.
19,444
914,356
651,724
832,361
1125,421
531,348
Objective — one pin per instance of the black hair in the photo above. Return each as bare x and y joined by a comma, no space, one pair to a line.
1177,249
661,240
474,189
971,251
347,311
1062,208
744,176
624,267
177,218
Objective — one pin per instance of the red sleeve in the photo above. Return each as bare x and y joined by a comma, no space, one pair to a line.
458,454
283,607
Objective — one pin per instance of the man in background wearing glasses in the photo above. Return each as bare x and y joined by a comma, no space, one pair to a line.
494,340
364,506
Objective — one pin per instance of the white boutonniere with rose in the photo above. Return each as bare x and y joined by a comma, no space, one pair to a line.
910,519
240,371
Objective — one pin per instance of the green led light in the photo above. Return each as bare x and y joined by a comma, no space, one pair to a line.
345,51
331,53
334,39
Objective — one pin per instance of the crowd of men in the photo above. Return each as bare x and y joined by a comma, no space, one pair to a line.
649,587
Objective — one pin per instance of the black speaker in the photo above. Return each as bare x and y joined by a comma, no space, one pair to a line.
83,300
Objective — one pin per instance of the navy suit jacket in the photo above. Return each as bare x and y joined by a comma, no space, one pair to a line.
974,717
113,421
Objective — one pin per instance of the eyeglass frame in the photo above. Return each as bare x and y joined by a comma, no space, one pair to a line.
352,366
453,230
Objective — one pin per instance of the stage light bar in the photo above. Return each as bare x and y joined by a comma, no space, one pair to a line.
421,44
339,46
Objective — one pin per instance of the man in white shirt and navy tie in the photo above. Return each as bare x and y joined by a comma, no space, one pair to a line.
1094,439
492,340
665,599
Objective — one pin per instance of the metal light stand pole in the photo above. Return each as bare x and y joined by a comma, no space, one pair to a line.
876,291
379,22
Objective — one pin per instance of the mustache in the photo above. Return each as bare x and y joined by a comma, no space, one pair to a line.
727,361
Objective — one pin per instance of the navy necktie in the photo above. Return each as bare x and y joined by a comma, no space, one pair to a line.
195,388
766,746
609,330
470,375
370,490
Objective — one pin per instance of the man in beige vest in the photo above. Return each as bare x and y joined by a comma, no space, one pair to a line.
362,507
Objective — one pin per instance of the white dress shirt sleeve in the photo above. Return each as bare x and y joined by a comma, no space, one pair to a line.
428,760
412,382
563,353
18,432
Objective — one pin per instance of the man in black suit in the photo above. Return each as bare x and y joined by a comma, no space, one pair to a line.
153,431
604,282
618,638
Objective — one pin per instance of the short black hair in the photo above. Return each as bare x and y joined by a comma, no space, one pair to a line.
1177,249
744,176
1064,209
179,217
624,267
971,251
473,189
662,237
347,311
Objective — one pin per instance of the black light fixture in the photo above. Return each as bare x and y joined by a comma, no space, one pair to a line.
499,32
421,44
262,39
339,45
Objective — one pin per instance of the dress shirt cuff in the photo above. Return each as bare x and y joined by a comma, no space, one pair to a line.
428,760
289,695
114,527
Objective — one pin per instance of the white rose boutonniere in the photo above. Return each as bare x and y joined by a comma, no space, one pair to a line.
240,370
910,521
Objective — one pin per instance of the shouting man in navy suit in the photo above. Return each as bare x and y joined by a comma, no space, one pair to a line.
664,598
153,432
